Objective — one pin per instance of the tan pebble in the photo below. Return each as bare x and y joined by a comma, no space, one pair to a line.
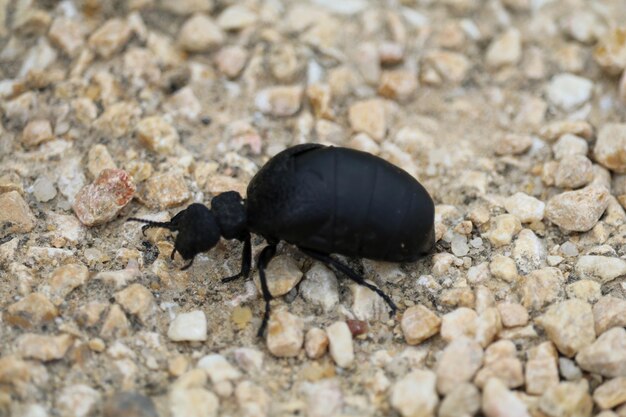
110,38
503,228
459,323
508,370
282,275
567,399
340,344
231,60
15,215
513,314
315,343
165,190
397,84
137,300
200,33
280,101
504,268
369,117
609,312
65,279
415,394
115,324
498,401
36,132
285,334
607,355
610,52
541,374
611,393
68,35
157,135
569,324
459,362
418,324
31,311
43,347
97,345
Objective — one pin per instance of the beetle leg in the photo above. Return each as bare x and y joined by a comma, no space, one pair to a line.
184,268
265,257
346,270
246,261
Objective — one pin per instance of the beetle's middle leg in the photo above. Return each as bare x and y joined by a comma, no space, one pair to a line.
346,270
265,257
246,261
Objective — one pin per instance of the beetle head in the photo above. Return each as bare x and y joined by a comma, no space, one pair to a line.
197,229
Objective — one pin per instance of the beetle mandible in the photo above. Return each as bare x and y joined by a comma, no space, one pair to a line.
324,200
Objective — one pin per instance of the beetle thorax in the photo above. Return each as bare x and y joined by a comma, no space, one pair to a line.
230,211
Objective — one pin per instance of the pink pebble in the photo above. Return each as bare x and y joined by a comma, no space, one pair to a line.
102,200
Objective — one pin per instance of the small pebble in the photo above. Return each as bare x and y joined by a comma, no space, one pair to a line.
200,34
236,17
165,190
600,268
415,394
397,84
569,91
503,228
77,400
513,314
315,343
607,355
557,129
611,393
110,38
36,132
64,280
569,145
157,135
282,275
280,101
569,324
567,399
418,324
610,147
458,363
504,268
541,287
101,201
42,347
609,312
285,334
513,144
15,215
526,208
574,171
231,60
218,369
529,252
506,49
33,310
464,400
580,210
498,401
340,344
252,400
610,52
188,327
459,323
137,300
369,117
99,159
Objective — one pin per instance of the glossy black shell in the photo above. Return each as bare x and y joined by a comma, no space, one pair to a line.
342,201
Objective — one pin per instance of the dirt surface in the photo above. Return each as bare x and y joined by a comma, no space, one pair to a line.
140,107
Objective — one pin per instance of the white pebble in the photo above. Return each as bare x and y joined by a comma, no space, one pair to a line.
188,327
340,343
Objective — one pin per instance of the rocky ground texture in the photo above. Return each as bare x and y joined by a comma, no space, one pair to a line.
510,112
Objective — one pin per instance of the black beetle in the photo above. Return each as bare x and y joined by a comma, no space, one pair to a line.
324,200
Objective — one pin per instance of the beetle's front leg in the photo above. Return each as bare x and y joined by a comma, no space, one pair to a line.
246,261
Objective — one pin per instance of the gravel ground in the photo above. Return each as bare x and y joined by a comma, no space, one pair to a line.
510,112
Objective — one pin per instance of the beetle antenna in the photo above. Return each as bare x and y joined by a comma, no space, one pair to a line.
150,224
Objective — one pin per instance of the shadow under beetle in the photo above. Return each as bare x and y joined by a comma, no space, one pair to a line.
322,199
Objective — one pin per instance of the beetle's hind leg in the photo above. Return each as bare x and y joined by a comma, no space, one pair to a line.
346,270
265,257
246,261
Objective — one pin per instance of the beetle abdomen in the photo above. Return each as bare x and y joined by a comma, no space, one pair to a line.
338,200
